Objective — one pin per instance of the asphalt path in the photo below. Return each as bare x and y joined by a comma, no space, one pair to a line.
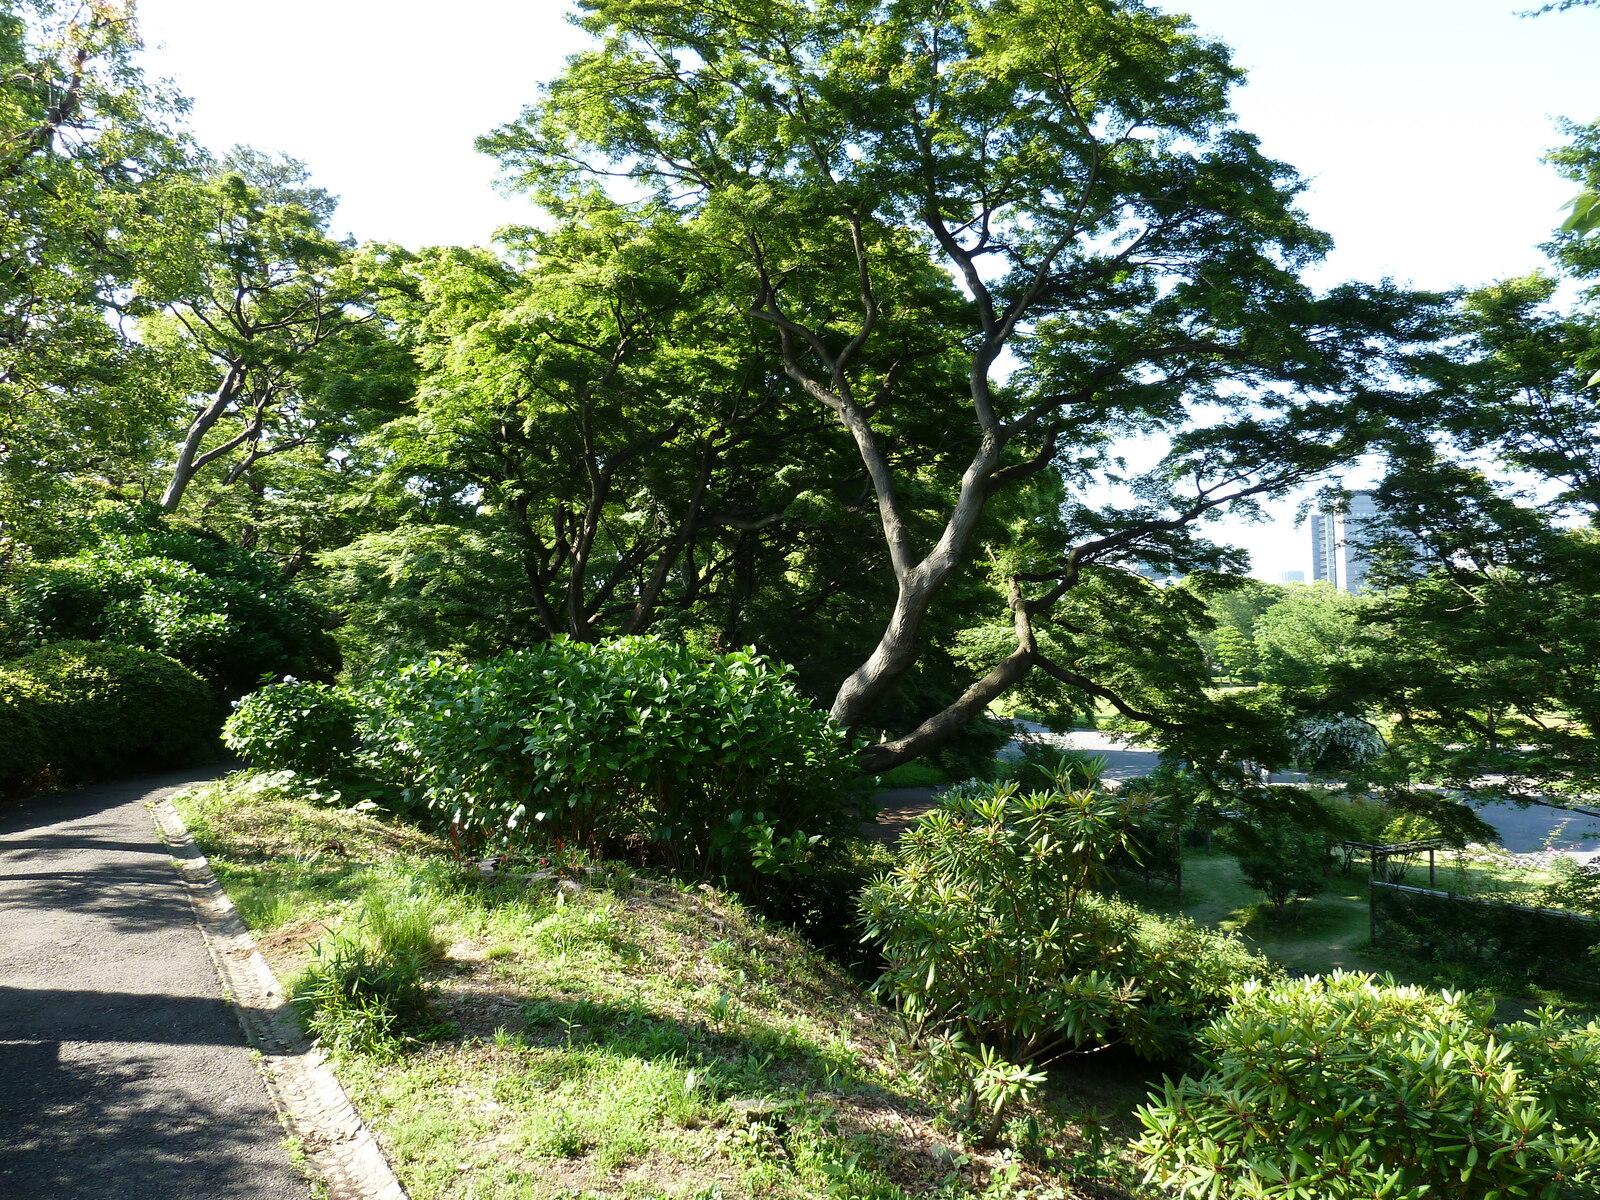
123,1070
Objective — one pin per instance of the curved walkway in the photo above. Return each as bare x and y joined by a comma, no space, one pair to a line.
123,1069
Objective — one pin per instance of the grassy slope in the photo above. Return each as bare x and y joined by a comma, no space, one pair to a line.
621,1037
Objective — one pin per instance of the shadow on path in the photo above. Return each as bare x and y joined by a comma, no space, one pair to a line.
123,1070
86,1128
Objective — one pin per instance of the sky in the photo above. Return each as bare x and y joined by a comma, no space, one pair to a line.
1419,125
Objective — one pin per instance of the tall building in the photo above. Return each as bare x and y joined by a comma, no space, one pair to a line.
1339,554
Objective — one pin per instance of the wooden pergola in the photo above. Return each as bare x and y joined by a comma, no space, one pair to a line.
1382,852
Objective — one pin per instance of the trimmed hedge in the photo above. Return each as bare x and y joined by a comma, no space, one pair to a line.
75,711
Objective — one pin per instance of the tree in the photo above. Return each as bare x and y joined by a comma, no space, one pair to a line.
271,323
1046,200
87,152
1307,634
1228,636
1488,658
1283,860
620,442
1485,643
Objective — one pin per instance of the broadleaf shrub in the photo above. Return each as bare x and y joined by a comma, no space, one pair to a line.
307,727
994,934
1347,1086
75,711
701,765
226,613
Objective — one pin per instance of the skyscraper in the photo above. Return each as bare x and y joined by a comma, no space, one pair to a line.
1339,555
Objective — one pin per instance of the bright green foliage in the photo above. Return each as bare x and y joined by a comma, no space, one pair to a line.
1234,608
704,765
364,988
86,154
1309,632
994,935
1344,1087
308,727
953,219
225,613
271,339
79,710
1235,654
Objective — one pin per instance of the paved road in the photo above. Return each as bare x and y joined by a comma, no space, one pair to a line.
1521,829
123,1072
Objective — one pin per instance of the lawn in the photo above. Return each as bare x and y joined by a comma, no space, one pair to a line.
1331,931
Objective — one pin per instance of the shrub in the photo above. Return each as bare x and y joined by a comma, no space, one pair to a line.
1281,859
700,765
307,727
1328,743
75,711
994,937
140,580
1345,1087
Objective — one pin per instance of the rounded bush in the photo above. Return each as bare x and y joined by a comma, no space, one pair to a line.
308,727
1343,1087
225,613
635,744
74,711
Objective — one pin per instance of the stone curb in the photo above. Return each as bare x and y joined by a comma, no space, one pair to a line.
340,1146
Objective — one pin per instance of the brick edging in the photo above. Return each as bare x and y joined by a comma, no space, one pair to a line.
339,1144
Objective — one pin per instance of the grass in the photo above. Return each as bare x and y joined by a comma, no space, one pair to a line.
612,1035
1313,936
1331,931
912,774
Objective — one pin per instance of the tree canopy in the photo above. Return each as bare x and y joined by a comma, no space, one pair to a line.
1038,221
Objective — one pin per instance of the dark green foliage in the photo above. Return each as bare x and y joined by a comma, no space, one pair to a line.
307,727
1514,938
138,579
632,746
1282,859
823,901
75,711
1345,1087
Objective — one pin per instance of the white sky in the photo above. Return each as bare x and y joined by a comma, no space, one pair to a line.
1419,123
